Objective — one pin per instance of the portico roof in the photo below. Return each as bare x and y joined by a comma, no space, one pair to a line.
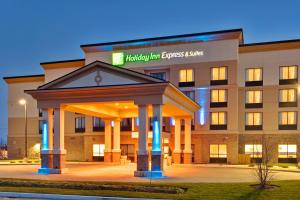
93,88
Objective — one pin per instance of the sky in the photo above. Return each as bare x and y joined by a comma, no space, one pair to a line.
35,31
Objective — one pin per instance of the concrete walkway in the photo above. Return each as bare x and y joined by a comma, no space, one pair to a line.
36,196
120,173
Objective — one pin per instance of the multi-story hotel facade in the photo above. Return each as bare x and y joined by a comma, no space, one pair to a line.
216,99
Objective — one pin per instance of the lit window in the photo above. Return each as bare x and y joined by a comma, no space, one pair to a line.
287,118
79,124
287,95
218,118
98,150
287,151
219,73
190,94
217,96
218,151
254,150
41,123
288,72
186,75
254,74
253,118
254,96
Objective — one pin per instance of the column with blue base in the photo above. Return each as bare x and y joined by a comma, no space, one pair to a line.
187,152
47,142
59,152
142,154
156,154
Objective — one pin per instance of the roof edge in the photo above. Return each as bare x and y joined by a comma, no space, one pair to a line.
164,37
24,79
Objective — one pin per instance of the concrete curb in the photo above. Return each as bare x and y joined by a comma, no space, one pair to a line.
60,197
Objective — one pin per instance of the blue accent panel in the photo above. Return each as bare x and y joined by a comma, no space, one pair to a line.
156,135
172,120
44,171
45,142
137,121
202,101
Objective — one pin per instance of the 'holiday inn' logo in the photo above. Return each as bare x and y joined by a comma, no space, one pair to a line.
118,59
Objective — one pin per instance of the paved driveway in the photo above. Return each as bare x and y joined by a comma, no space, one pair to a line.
118,173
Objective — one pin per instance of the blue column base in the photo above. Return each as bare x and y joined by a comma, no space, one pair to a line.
150,174
46,171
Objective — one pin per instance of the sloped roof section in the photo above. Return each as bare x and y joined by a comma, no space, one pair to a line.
99,74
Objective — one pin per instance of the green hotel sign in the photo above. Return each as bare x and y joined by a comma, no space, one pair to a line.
121,58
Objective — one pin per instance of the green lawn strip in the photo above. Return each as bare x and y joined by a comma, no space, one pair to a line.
195,191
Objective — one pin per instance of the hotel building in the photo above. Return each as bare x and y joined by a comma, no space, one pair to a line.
195,98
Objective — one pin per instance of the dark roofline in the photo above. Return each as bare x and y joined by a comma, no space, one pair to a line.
27,76
270,42
165,37
62,61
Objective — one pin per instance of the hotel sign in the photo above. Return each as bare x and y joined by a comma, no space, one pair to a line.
121,58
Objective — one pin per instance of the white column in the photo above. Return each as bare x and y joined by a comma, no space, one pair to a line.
187,136
177,143
59,131
107,135
116,134
143,129
50,128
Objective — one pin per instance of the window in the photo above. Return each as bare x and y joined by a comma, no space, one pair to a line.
98,124
288,75
218,98
253,118
79,124
288,72
288,120
218,153
218,121
160,75
126,124
190,94
254,74
287,151
287,98
40,112
254,150
98,152
254,99
218,73
186,78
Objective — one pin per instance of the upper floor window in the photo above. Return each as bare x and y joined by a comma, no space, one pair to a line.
218,98
160,75
218,121
186,78
41,123
79,124
288,120
190,94
254,77
288,97
254,99
98,124
218,76
288,74
126,124
253,121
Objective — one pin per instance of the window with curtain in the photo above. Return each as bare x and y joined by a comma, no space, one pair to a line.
219,73
254,74
288,118
288,72
254,96
287,95
186,75
218,118
217,96
253,118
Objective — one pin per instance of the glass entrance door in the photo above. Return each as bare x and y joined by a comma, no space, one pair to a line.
128,150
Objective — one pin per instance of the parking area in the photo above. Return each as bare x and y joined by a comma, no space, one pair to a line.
124,173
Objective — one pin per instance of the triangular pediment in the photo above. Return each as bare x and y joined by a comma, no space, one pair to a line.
100,74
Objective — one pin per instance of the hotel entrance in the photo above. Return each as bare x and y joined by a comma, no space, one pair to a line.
128,151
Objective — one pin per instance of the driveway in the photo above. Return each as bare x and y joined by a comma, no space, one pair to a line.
120,173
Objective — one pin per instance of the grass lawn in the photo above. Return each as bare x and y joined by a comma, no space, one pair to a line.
209,191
